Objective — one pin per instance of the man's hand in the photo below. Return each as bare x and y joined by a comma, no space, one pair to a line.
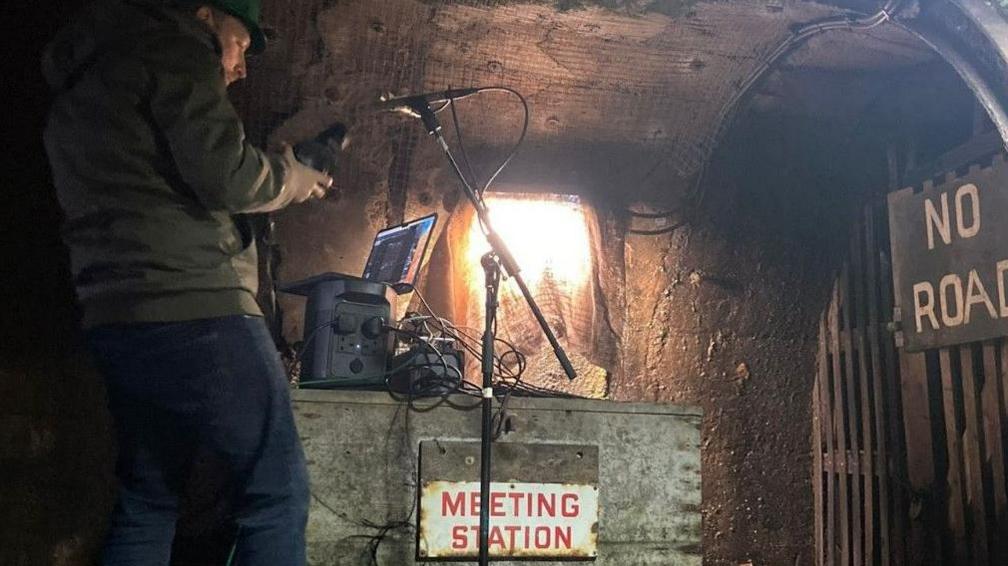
303,181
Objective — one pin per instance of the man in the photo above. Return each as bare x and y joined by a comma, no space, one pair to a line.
153,172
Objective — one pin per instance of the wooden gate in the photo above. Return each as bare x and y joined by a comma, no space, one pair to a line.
909,448
860,502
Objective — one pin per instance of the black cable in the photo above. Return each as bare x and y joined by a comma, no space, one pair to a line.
657,231
436,383
521,137
514,150
430,385
374,541
520,359
455,331
662,214
461,142
506,390
521,362
696,195
384,375
443,397
430,346
847,21
309,338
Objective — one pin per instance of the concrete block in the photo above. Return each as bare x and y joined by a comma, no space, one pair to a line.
362,450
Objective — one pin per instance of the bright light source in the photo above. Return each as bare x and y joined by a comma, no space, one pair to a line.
548,235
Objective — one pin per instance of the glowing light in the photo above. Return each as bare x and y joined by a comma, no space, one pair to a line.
548,235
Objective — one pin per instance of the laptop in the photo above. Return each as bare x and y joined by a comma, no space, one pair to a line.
394,260
397,252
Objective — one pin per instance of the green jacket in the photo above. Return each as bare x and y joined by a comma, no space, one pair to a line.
152,167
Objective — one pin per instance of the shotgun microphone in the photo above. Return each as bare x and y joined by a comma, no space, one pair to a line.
414,105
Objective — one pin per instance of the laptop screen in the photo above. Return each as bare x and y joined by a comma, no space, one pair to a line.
397,252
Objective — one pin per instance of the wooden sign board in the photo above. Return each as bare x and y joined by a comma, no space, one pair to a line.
950,259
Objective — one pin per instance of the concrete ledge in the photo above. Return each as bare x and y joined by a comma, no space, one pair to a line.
362,450
523,403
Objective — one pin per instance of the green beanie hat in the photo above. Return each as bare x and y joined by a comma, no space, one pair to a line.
245,10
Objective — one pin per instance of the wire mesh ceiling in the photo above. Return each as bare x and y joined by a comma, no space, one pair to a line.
652,74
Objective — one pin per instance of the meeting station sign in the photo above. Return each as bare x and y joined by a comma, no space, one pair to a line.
950,259
543,501
527,520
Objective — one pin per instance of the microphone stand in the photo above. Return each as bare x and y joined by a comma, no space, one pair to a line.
492,272
493,262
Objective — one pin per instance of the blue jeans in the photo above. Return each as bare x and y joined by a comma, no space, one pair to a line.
182,394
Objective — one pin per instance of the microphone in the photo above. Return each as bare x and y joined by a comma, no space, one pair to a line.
415,105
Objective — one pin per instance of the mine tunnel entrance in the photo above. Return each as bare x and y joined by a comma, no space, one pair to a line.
908,461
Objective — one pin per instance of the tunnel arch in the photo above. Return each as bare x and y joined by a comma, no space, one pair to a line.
967,37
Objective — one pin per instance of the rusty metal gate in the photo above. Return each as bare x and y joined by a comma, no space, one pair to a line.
909,447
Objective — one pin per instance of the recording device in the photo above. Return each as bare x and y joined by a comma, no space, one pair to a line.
346,343
322,152
430,368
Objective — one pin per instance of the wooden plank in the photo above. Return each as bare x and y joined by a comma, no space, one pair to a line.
828,428
971,457
819,411
956,512
877,375
848,302
852,461
1002,531
919,458
917,420
896,415
994,453
838,428
1004,379
866,476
